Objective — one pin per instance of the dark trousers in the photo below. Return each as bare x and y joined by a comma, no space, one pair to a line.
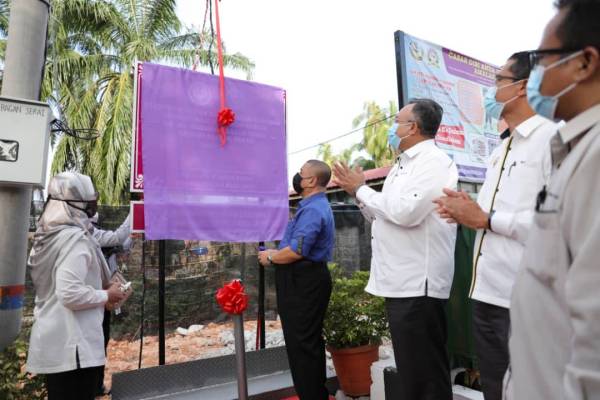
419,334
78,384
106,330
303,291
491,325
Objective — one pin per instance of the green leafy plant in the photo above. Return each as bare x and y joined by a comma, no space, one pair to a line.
15,382
354,317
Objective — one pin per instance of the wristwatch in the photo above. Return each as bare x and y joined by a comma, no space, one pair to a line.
490,215
270,259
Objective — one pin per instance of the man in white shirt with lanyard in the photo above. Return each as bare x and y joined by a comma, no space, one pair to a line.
503,214
555,305
413,249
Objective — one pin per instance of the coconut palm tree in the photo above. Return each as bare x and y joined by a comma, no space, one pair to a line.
376,121
376,125
89,77
325,154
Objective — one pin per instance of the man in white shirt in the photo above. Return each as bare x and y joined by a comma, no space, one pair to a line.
111,242
555,305
413,249
503,214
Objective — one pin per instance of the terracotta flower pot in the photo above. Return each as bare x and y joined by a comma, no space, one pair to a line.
353,368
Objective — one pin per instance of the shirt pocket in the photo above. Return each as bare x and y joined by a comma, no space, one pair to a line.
545,254
521,183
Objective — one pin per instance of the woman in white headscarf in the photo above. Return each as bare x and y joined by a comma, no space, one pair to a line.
71,282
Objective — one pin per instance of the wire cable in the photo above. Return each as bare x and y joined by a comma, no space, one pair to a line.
341,136
78,133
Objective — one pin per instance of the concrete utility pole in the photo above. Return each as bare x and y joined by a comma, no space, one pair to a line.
23,68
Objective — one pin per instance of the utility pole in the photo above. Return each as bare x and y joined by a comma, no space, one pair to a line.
23,69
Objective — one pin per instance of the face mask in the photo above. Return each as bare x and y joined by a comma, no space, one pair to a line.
546,105
393,139
494,108
296,183
90,209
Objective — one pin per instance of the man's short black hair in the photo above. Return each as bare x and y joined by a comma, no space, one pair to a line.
321,171
428,115
581,25
521,67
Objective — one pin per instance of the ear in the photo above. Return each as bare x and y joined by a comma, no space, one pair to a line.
590,65
523,88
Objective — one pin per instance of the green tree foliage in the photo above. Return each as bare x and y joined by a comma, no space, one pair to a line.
376,122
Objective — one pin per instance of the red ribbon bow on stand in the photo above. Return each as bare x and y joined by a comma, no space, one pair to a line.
226,115
231,298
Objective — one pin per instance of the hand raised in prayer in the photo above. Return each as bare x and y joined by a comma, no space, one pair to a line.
458,207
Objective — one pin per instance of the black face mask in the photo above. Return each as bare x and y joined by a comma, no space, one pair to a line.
296,183
91,206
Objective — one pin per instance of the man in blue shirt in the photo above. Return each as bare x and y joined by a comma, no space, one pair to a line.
302,280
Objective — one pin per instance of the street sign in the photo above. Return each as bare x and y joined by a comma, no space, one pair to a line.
24,134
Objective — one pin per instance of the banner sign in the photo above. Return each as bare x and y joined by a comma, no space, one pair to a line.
194,188
458,83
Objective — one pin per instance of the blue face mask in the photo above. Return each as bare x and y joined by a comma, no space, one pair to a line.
546,105
393,139
494,108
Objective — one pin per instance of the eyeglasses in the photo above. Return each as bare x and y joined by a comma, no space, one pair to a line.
536,56
405,123
500,77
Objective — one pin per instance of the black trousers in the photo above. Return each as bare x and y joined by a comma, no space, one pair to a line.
303,291
106,330
78,384
419,334
491,326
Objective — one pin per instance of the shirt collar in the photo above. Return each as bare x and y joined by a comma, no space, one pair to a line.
580,124
418,148
312,198
526,127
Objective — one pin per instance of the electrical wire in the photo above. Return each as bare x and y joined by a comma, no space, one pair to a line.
78,133
341,136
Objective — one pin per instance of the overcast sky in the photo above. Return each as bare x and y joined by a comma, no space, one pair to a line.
333,55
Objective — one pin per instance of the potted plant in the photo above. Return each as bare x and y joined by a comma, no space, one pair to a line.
354,325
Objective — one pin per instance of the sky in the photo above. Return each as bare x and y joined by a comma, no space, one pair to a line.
332,56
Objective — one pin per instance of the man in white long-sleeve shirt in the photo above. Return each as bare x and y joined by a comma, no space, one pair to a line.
71,282
502,215
110,242
555,304
413,249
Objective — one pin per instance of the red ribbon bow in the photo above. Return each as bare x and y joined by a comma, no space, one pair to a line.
225,118
231,298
